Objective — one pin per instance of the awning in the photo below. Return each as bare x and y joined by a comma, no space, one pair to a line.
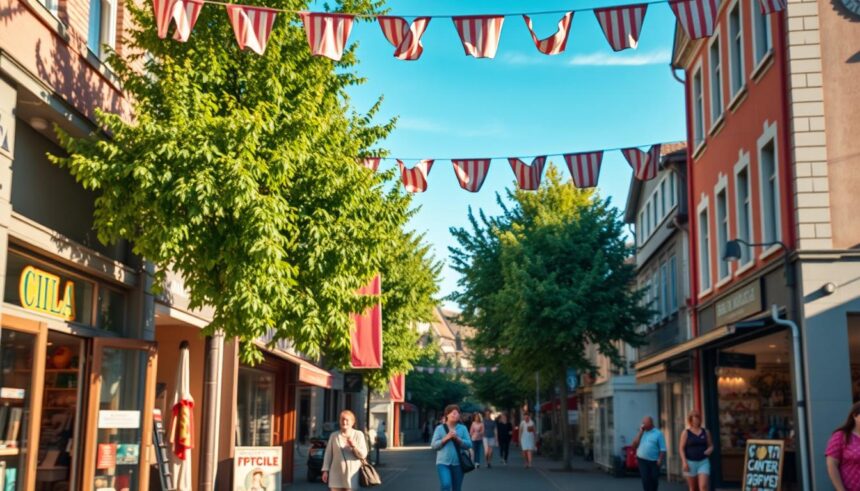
652,375
309,374
684,347
556,404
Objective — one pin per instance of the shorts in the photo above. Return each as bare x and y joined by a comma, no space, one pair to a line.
489,442
698,467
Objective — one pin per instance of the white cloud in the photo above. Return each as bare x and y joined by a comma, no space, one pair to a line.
635,58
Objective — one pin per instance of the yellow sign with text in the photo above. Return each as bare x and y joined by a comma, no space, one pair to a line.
40,292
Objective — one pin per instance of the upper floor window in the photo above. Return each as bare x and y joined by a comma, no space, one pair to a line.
716,79
673,289
736,49
722,232
769,190
673,189
762,40
704,249
664,287
743,207
102,27
698,109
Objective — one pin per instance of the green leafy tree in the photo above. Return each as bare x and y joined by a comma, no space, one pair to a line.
546,278
239,172
431,392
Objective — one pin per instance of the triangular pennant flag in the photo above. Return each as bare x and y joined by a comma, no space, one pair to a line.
621,25
584,168
252,26
184,14
327,33
415,179
556,43
645,165
771,6
697,17
371,163
479,34
404,36
471,173
528,176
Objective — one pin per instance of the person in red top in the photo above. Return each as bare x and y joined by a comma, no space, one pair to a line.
843,453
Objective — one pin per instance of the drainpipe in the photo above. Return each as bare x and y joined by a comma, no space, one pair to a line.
212,388
801,397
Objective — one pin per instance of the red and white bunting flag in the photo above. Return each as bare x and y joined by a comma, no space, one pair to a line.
184,14
621,25
252,26
645,165
584,168
528,176
415,179
327,33
404,36
771,6
697,17
471,173
556,43
480,34
371,163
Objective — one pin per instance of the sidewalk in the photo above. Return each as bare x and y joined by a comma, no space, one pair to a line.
588,476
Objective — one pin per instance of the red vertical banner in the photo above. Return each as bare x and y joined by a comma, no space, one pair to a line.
397,388
367,334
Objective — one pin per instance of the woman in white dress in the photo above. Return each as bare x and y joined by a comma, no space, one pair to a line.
527,438
343,455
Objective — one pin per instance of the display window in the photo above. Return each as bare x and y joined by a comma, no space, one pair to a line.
255,408
17,354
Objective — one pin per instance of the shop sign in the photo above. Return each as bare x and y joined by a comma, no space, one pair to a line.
106,456
119,419
739,304
352,383
40,292
763,465
257,468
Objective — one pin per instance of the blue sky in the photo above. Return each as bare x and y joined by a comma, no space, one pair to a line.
520,103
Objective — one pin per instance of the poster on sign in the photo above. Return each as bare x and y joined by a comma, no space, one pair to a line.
257,469
763,465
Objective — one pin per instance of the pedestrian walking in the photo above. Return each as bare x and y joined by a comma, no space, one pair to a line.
843,453
448,439
504,432
650,451
527,438
476,432
696,446
489,437
425,433
343,455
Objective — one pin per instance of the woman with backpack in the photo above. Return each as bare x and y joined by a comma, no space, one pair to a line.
448,439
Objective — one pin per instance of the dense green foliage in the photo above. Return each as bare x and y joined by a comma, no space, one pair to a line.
239,172
434,391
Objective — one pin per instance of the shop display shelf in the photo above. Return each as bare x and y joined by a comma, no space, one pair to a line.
9,452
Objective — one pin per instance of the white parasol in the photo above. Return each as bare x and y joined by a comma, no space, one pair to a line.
182,427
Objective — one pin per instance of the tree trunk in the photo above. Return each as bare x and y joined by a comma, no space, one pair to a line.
564,423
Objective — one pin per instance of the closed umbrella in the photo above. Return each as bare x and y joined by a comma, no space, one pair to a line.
182,427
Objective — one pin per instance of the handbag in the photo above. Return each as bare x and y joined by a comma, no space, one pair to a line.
367,475
466,463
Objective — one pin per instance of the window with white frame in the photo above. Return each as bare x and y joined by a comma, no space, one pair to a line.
665,205
736,49
102,26
716,79
762,40
743,207
769,191
704,249
664,287
655,213
722,232
698,109
673,290
673,193
640,230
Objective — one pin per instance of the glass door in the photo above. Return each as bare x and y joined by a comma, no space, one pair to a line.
122,393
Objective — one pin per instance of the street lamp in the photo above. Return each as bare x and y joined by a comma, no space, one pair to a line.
733,253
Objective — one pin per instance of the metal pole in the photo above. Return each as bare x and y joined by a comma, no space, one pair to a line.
801,395
212,396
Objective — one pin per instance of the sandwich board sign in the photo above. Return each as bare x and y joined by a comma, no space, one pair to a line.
763,461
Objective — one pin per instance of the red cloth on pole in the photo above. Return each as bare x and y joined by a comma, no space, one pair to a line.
397,388
367,335
183,427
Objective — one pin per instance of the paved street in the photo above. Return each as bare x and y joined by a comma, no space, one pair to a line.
412,469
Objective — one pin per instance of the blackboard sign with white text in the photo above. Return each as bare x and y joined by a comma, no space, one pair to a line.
763,465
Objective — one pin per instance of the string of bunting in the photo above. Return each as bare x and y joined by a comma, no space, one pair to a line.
455,369
584,168
328,33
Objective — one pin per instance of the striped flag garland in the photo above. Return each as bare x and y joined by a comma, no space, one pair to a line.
771,6
415,179
697,17
644,164
556,43
404,36
327,33
621,25
479,34
528,176
252,26
471,173
371,163
184,14
584,168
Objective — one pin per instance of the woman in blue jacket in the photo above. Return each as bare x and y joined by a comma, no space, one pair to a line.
447,438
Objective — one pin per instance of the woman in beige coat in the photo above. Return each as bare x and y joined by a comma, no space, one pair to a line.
343,455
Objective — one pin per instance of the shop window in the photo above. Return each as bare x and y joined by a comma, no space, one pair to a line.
854,350
111,313
255,407
16,380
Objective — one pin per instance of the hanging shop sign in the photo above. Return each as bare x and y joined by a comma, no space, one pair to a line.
763,461
352,383
256,468
739,304
46,293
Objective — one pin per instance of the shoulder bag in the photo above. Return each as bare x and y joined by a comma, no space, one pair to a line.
465,458
367,475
